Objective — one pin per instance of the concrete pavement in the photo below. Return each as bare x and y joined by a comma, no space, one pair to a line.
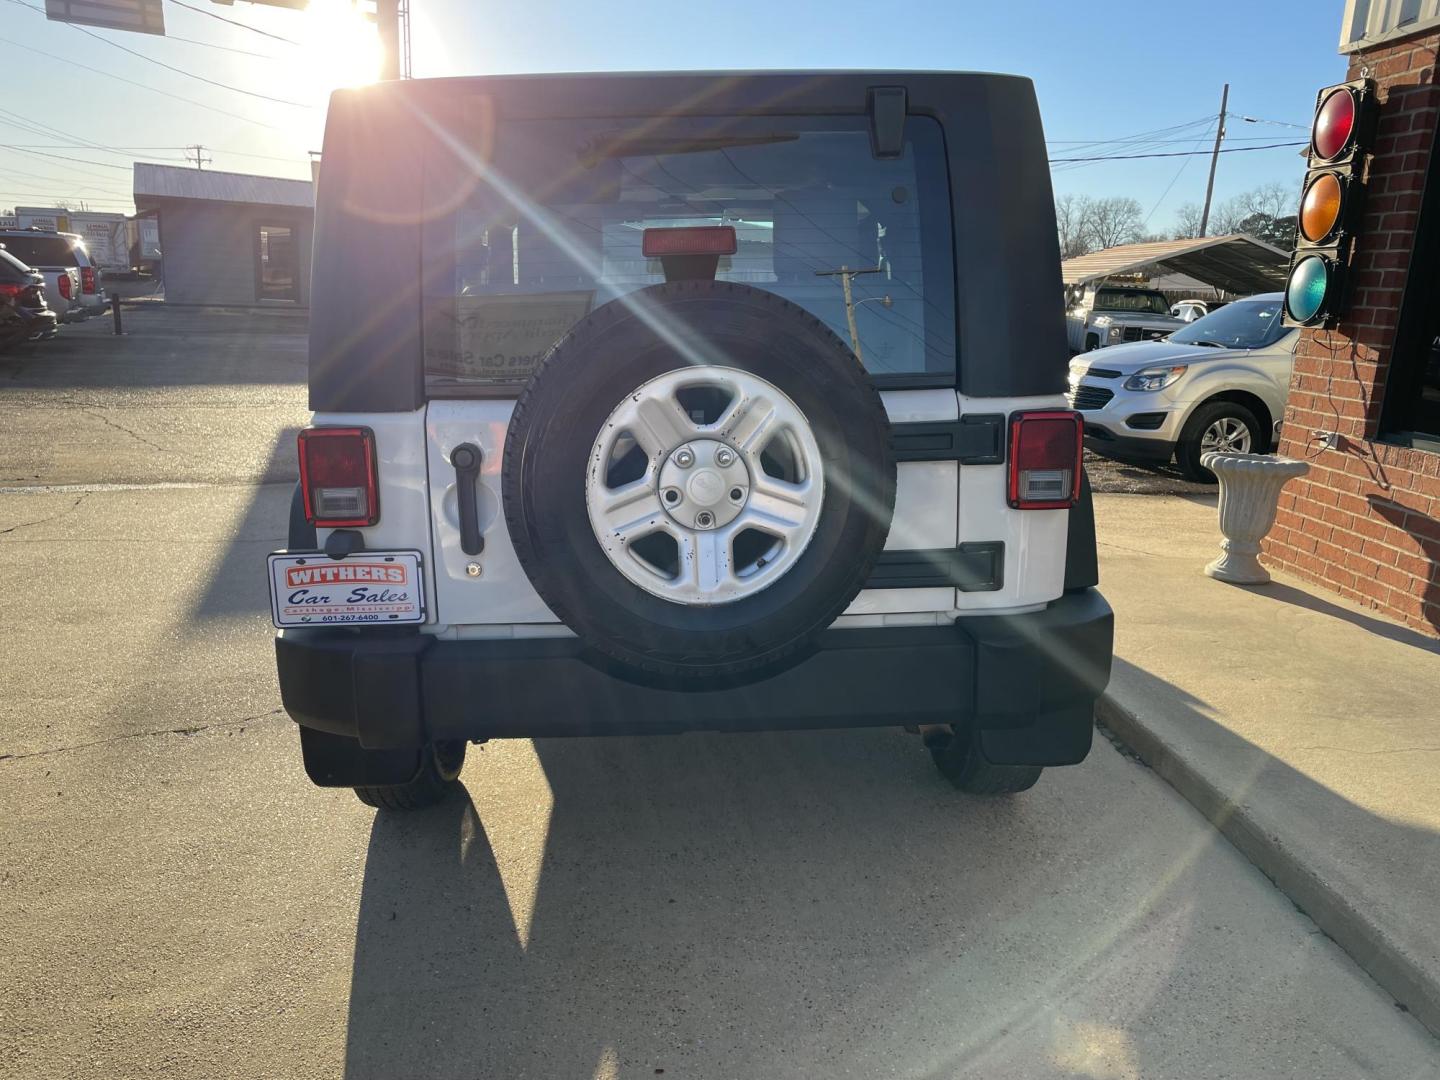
1305,728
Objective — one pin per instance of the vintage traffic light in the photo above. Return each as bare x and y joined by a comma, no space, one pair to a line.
1331,203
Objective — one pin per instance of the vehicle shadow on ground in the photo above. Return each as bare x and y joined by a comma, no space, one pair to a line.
804,904
238,585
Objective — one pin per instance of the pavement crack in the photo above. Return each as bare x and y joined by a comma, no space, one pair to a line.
95,412
41,521
189,729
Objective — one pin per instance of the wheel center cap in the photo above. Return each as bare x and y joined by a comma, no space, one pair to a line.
706,487
704,484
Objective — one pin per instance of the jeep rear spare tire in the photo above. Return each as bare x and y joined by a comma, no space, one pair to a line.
698,480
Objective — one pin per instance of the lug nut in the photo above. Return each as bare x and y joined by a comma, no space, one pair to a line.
671,495
704,519
684,457
736,494
724,456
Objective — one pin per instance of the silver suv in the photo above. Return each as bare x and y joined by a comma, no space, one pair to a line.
1219,383
712,407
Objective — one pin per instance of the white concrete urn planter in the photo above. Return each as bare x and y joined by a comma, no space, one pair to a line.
1249,494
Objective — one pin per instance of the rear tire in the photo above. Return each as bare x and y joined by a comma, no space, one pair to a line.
439,775
960,760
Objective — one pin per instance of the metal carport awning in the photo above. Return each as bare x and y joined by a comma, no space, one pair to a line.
1236,264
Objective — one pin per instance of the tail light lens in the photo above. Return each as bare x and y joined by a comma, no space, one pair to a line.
65,286
87,280
14,292
337,476
1045,450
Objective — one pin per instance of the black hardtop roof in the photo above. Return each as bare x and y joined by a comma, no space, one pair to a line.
1010,334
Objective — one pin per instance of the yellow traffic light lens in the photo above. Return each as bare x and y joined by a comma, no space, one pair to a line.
1320,208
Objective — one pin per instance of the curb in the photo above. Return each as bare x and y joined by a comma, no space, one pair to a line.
1415,990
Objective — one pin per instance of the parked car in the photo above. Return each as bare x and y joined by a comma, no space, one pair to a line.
1104,315
1190,310
56,255
640,477
24,315
1219,383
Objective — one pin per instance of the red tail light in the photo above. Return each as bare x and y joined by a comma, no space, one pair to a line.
337,477
65,286
692,240
1045,450
15,292
87,280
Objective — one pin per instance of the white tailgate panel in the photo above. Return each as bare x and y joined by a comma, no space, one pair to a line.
926,505
404,513
502,593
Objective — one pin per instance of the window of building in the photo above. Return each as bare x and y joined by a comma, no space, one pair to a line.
1411,409
277,264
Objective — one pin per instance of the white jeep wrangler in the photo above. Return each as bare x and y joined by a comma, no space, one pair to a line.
661,403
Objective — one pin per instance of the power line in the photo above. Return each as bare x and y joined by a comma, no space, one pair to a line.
62,157
235,22
170,67
143,86
1195,145
1176,153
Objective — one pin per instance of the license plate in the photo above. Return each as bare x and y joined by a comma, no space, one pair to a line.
308,588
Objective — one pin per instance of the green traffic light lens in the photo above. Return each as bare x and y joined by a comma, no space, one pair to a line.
1306,289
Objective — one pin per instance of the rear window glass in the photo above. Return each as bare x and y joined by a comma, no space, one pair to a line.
11,268
522,242
40,250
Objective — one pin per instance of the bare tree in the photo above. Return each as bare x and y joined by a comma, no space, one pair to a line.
1115,220
1187,222
1072,222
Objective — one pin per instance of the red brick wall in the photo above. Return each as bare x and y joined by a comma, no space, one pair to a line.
1366,520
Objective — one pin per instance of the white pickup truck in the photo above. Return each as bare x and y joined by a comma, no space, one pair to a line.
1097,315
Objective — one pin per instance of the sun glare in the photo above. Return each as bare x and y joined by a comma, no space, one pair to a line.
343,48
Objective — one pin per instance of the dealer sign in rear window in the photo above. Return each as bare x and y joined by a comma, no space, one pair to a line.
310,589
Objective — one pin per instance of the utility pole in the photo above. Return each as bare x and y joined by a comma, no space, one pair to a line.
387,24
1214,160
846,275
200,160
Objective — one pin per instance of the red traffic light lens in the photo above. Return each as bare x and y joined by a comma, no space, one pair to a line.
1320,208
1334,124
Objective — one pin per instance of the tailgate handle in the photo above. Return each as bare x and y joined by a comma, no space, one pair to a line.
466,458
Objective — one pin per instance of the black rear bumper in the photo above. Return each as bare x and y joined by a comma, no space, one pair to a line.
1027,682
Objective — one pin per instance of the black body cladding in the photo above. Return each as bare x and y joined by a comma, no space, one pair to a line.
365,325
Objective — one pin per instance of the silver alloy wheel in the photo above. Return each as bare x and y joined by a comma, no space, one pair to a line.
1227,435
730,490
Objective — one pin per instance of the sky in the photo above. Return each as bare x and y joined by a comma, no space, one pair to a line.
1103,72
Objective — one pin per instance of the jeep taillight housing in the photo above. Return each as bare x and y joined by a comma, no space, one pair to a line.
63,285
87,280
1045,450
337,477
